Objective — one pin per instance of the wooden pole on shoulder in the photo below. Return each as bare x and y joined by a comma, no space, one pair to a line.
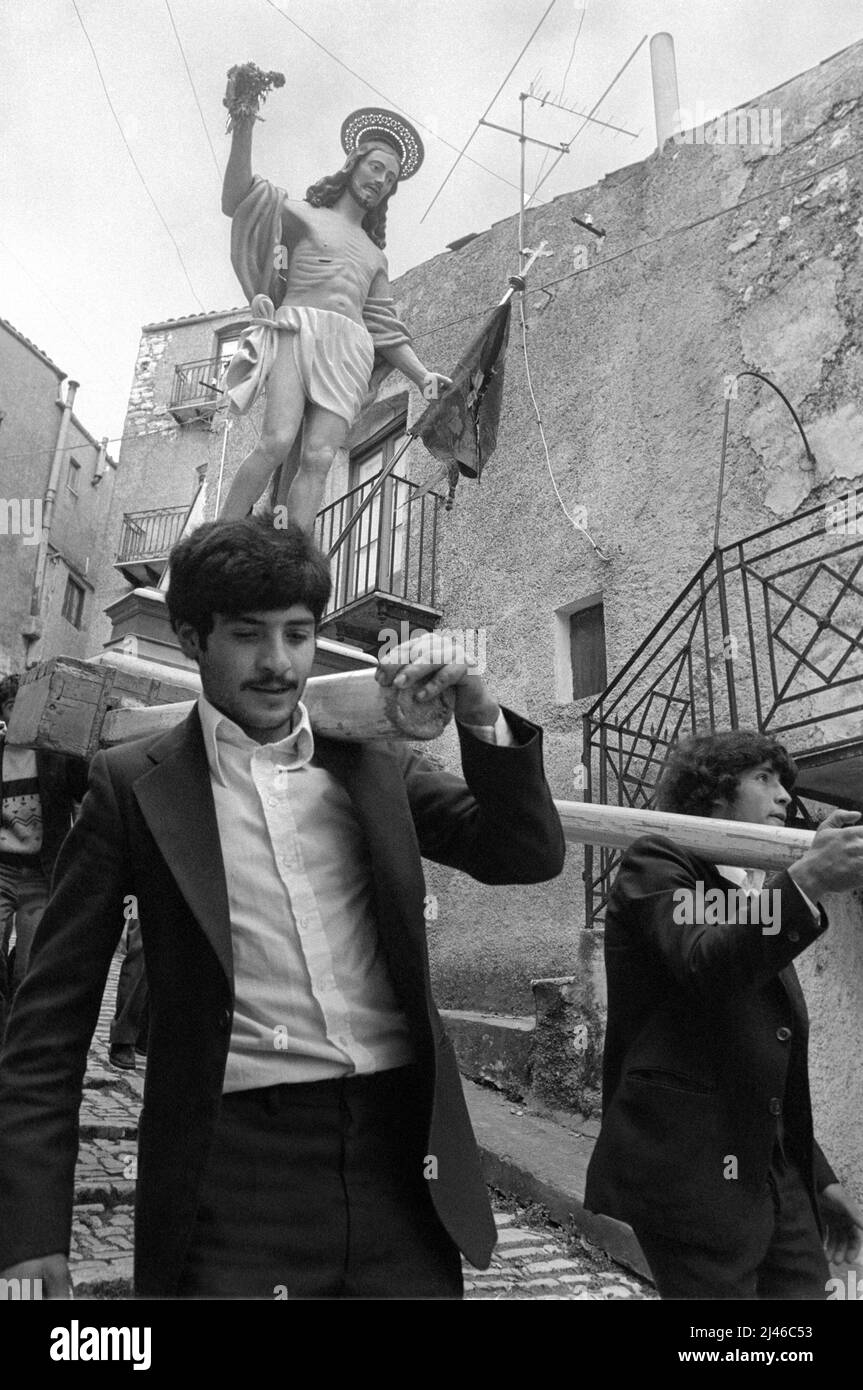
76,707
721,841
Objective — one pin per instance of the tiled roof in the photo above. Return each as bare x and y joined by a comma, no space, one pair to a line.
194,318
16,333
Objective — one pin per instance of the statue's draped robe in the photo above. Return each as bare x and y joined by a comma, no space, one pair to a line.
257,255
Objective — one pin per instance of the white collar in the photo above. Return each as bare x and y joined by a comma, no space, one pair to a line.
294,750
744,878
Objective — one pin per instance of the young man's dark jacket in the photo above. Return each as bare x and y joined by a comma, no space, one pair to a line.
705,1049
148,827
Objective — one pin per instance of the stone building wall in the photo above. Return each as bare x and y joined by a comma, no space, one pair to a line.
77,545
31,401
161,459
628,362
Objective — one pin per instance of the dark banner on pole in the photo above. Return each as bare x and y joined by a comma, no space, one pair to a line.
460,427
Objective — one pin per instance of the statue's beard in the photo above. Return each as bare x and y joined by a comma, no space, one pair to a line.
361,197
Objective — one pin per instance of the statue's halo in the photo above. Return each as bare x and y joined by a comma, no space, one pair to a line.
375,123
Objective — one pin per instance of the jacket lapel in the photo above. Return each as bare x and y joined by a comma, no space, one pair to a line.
348,763
176,800
786,978
376,787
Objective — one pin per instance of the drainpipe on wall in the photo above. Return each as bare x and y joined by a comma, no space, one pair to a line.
99,470
666,102
31,630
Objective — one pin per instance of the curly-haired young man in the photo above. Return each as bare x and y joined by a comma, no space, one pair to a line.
706,1146
304,1132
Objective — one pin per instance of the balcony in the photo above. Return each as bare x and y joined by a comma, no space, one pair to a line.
145,540
384,572
196,392
766,635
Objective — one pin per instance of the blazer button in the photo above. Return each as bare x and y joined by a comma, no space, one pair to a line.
775,1106
783,1034
794,936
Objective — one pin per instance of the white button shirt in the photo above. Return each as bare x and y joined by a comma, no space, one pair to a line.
752,881
313,996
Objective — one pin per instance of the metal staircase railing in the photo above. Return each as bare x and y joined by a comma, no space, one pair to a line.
768,634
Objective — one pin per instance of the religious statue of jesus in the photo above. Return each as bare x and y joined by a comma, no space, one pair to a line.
323,332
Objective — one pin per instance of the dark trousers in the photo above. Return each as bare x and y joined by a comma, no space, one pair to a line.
780,1256
24,893
318,1191
131,1019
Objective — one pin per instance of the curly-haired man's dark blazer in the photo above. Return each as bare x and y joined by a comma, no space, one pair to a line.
706,1047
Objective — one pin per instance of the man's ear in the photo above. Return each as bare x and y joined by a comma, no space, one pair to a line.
190,643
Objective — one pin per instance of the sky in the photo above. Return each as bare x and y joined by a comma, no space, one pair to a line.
86,258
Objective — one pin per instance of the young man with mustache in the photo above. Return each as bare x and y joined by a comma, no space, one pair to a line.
304,1132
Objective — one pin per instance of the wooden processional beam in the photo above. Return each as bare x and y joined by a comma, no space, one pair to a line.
77,707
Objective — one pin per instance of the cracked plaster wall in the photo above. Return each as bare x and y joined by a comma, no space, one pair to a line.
628,364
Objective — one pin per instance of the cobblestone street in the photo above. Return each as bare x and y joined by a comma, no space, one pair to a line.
532,1260
536,1262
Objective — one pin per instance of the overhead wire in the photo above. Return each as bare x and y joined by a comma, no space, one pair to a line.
570,518
461,152
75,327
700,221
562,92
383,96
219,170
572,50
131,155
590,113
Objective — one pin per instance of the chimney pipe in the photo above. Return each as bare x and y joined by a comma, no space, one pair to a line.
99,470
666,102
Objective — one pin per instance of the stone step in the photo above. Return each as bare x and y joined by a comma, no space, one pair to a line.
492,1048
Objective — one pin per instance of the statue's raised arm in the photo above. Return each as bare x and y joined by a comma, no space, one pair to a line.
247,88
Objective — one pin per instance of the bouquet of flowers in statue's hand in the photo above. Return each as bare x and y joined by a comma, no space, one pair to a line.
247,88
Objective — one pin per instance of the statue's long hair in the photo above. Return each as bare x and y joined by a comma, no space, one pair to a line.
327,191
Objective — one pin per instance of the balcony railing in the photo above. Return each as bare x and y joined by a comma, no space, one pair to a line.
767,635
197,386
392,549
148,536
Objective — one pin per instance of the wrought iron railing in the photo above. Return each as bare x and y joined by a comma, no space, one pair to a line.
392,549
150,535
198,383
768,633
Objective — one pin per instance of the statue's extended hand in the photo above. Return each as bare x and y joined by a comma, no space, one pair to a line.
247,88
433,384
242,105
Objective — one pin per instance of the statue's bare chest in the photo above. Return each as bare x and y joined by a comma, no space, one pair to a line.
323,234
